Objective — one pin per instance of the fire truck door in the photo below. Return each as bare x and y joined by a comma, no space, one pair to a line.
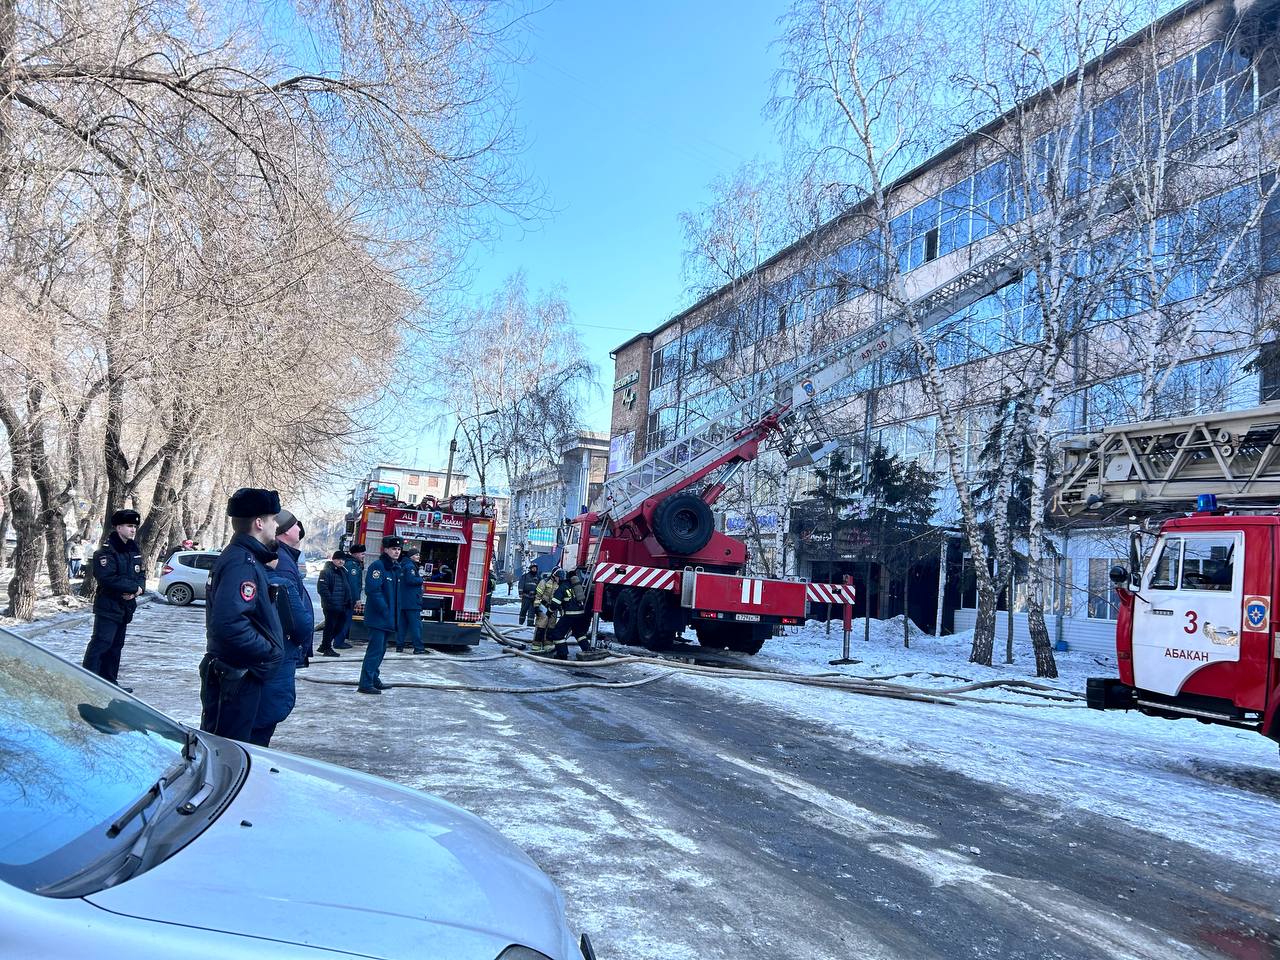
1193,586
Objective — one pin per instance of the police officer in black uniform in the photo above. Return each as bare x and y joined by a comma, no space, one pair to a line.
117,566
242,625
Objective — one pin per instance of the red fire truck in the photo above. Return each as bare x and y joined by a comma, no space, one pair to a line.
455,538
1196,634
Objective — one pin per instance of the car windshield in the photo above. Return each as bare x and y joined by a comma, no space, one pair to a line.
75,753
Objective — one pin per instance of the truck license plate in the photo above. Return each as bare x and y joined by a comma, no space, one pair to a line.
747,617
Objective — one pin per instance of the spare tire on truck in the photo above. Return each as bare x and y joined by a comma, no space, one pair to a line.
683,523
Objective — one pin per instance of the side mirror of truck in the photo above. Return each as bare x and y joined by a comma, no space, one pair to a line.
1119,575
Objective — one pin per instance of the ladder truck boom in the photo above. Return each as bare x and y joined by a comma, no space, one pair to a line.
735,436
1139,466
1196,636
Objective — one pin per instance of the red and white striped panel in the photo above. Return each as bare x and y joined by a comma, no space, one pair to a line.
627,575
830,593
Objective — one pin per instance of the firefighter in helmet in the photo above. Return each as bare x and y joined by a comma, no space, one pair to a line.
546,607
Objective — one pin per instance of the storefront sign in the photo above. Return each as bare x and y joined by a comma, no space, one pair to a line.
628,380
740,523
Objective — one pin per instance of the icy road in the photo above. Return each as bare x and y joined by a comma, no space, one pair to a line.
709,818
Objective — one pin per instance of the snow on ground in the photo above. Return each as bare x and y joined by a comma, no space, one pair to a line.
877,645
50,608
1210,786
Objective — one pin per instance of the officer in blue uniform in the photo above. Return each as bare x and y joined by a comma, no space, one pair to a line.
245,641
117,566
355,579
381,610
409,628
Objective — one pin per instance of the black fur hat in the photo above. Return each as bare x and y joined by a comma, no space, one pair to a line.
253,502
125,516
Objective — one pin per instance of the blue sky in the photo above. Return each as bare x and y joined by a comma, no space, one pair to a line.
630,111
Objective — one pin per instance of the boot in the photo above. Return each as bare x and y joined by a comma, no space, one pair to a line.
562,651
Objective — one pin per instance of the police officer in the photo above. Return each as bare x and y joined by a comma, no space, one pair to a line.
245,640
117,566
355,579
528,587
409,623
334,587
381,609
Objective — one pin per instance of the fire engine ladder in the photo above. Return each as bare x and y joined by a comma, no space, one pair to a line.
788,396
1234,455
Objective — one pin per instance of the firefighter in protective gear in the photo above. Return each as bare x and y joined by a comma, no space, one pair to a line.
574,618
546,607
528,588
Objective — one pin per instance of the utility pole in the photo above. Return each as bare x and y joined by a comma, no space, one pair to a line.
453,447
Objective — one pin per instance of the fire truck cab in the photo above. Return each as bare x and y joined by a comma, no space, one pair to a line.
1196,633
455,540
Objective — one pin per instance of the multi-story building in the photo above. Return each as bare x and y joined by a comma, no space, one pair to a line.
543,499
411,483
1199,87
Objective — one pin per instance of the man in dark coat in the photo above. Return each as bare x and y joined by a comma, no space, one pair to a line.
355,579
117,566
335,600
297,622
245,640
528,587
381,610
409,624
289,534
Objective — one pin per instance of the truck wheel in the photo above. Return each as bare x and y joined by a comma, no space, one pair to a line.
654,620
683,523
711,636
624,617
749,639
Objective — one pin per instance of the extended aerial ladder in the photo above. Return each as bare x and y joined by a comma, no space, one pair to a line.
1196,636
734,435
1140,467
657,562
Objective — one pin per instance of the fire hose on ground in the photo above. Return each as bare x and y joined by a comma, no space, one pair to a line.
867,686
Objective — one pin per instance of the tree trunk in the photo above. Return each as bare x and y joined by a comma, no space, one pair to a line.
52,505
1046,665
1008,604
984,640
114,459
26,554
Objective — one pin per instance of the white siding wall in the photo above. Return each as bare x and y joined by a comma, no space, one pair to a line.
1087,636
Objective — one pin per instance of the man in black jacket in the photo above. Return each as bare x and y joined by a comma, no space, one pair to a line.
335,600
245,640
117,566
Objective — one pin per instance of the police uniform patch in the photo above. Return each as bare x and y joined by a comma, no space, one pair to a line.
376,574
248,590
137,568
102,561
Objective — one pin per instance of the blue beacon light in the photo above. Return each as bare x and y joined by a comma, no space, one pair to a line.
1206,503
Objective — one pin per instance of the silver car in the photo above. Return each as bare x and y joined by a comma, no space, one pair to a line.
124,834
184,576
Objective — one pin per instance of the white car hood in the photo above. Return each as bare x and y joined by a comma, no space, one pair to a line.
342,861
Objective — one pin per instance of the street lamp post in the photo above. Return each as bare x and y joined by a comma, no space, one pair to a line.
453,446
